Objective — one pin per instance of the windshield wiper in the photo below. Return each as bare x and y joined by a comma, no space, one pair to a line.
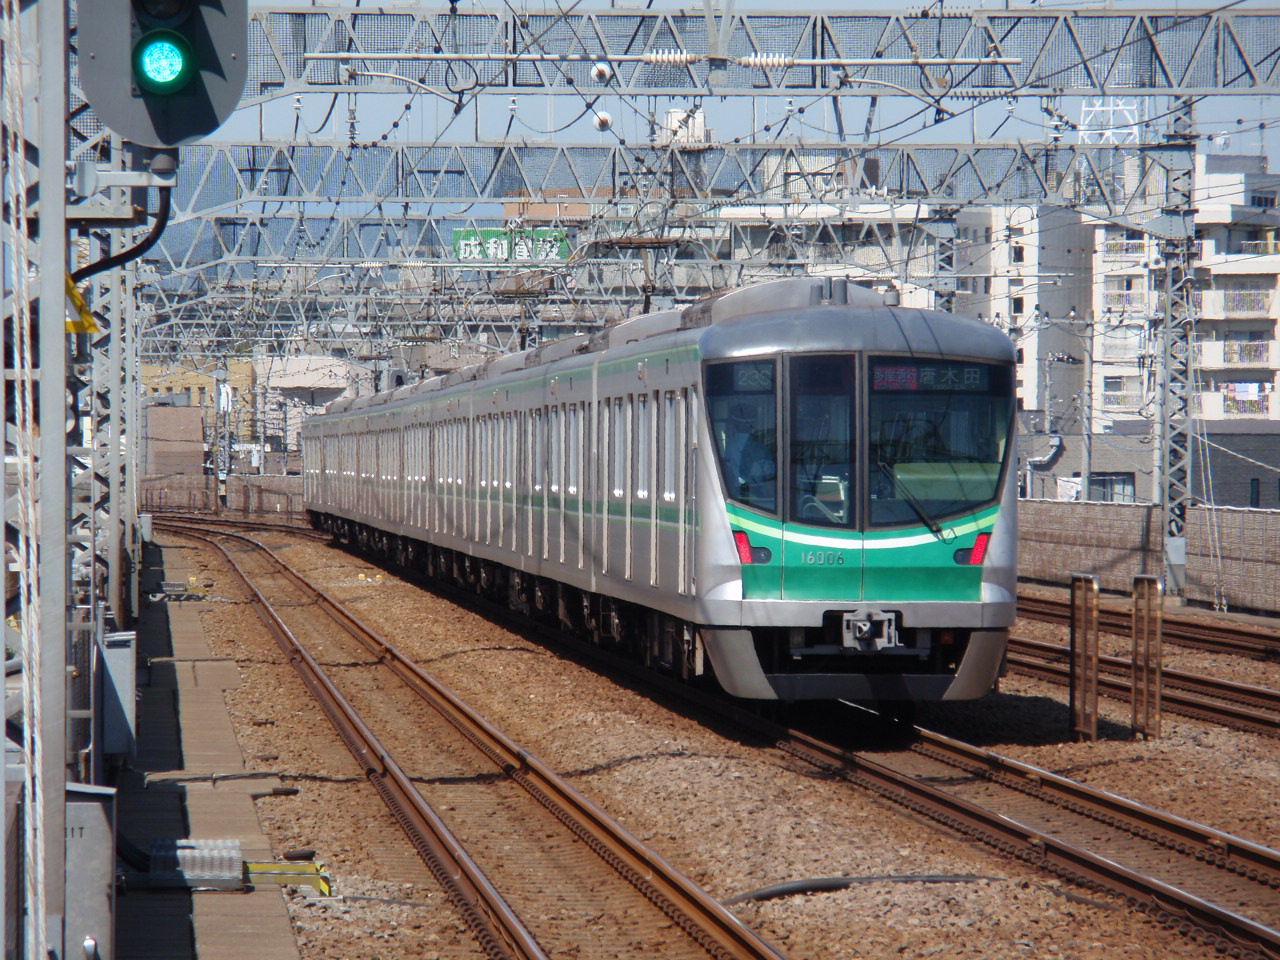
933,525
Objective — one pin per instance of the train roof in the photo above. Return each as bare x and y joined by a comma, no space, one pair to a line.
750,320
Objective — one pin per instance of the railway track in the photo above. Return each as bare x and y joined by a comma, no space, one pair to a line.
1236,705
239,522
1209,885
1240,639
1216,888
532,843
1222,890
1219,889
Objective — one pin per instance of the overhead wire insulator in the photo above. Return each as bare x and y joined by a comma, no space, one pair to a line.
670,57
766,61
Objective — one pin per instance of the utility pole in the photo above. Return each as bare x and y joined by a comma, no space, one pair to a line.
1086,430
47,608
1176,229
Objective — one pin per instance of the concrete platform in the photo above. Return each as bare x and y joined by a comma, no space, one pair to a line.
189,780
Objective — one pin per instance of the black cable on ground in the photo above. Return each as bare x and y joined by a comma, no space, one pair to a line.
822,884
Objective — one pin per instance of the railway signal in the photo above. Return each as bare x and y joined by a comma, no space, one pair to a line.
163,72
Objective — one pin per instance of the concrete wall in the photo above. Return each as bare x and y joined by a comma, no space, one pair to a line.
249,494
183,493
1233,555
265,494
1113,541
174,440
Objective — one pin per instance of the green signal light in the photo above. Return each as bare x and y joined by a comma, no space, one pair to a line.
162,62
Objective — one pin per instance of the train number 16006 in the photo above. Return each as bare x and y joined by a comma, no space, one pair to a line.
821,558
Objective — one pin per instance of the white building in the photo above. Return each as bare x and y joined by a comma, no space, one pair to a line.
1027,269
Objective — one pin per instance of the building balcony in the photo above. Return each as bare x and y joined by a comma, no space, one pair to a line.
1234,405
1227,354
1114,350
1124,249
1126,401
1134,251
1133,302
1259,248
1233,304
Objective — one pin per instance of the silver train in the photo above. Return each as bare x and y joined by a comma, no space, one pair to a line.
790,486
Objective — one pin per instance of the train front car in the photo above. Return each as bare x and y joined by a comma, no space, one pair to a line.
867,545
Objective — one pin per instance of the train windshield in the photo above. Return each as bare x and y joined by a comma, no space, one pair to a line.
742,404
937,433
934,432
820,471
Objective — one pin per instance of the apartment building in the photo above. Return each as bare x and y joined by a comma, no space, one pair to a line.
1235,355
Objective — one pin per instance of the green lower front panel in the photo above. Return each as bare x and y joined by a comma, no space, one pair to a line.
820,566
920,574
917,565
842,566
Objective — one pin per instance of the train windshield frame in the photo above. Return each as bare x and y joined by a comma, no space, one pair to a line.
869,442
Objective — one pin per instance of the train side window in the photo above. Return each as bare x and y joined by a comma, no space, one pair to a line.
643,450
539,451
555,428
495,451
668,442
491,451
618,442
505,467
627,482
450,439
575,451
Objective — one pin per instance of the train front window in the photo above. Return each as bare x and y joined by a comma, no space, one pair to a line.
938,431
742,407
821,440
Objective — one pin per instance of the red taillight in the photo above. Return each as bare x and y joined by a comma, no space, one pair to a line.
979,552
744,546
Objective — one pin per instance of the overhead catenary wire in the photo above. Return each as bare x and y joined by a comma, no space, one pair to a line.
564,14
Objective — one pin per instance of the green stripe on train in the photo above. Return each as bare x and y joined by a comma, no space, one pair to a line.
885,566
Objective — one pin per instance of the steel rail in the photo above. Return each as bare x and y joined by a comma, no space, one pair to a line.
703,918
1241,639
1243,707
501,933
